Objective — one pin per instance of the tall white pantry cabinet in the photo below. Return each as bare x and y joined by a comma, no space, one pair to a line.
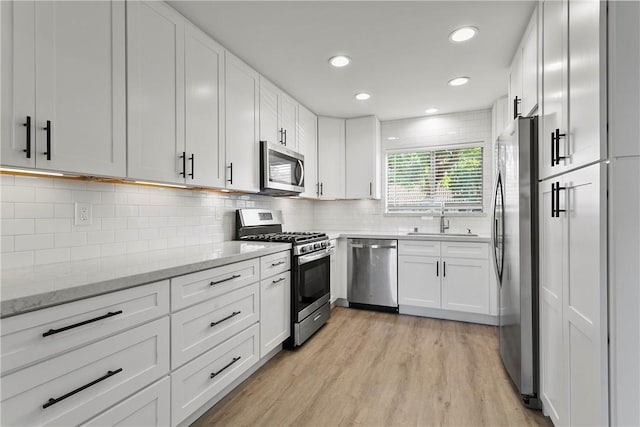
582,129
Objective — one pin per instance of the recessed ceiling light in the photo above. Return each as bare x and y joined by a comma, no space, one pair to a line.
339,61
431,110
459,81
362,96
463,34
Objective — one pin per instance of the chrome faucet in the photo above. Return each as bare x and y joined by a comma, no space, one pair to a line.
444,223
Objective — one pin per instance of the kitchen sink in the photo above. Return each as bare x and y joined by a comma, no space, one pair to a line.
415,233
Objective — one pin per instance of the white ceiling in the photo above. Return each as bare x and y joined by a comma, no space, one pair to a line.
400,50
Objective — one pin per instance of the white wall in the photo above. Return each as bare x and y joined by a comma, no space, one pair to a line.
431,131
38,218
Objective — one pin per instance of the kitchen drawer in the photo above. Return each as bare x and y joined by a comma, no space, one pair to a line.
149,407
196,287
196,383
271,265
87,320
88,380
419,248
465,250
192,331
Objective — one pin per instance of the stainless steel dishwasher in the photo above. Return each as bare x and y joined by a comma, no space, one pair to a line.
372,274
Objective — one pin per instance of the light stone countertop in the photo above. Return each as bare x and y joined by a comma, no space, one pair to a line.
404,236
30,288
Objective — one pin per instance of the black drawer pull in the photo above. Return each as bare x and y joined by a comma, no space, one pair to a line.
184,164
444,268
53,401
28,125
48,129
75,325
234,314
193,166
437,268
230,167
235,276
279,280
214,374
275,264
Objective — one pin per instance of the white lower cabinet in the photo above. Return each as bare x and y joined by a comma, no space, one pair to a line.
275,311
450,277
197,382
73,387
149,407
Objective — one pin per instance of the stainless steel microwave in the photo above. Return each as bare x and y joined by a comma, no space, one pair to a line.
281,170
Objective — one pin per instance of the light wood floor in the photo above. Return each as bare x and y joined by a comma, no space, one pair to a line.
375,369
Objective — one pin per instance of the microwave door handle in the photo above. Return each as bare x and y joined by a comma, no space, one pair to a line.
301,180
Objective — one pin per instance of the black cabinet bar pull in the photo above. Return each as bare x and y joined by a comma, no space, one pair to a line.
444,268
321,189
53,401
437,268
285,137
281,132
230,167
370,189
516,102
553,153
279,280
318,188
234,314
553,200
184,164
235,276
193,167
86,322
275,264
28,125
48,129
558,210
214,374
558,135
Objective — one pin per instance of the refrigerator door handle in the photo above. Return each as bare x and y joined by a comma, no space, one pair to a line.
495,244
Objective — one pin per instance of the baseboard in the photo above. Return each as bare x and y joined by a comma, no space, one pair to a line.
339,302
228,389
485,319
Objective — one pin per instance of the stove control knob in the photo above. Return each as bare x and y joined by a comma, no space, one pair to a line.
323,245
316,246
303,249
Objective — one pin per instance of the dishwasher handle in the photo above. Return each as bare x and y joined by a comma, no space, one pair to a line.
366,246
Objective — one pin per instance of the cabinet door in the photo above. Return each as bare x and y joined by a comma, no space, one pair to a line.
80,87
585,296
331,154
530,68
362,158
155,68
419,281
515,85
308,147
242,113
465,285
269,130
204,109
554,86
275,311
288,120
553,369
587,83
18,83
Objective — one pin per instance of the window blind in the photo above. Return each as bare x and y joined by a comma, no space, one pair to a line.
420,181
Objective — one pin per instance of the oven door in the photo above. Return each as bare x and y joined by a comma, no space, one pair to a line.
282,170
311,283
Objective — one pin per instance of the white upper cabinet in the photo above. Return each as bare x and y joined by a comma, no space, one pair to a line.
242,125
331,158
523,75
155,46
363,158
308,147
65,111
278,116
573,85
204,109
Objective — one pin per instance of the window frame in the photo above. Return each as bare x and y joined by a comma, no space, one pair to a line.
435,210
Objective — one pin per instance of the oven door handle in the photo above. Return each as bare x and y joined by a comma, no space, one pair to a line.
312,257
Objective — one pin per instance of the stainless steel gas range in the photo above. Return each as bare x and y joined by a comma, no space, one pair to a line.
310,263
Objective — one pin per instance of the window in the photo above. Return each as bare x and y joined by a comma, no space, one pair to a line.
419,181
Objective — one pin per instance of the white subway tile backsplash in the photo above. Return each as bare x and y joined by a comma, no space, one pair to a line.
16,226
104,211
137,246
96,225
111,249
17,194
85,252
114,223
7,210
49,256
53,225
116,198
126,210
65,240
6,179
6,243
95,237
16,259
33,181
94,197
30,242
53,195
33,210
64,210
127,235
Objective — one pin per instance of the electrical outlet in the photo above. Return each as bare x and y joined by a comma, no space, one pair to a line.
83,214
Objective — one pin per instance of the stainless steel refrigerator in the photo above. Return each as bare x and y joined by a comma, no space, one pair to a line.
515,248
